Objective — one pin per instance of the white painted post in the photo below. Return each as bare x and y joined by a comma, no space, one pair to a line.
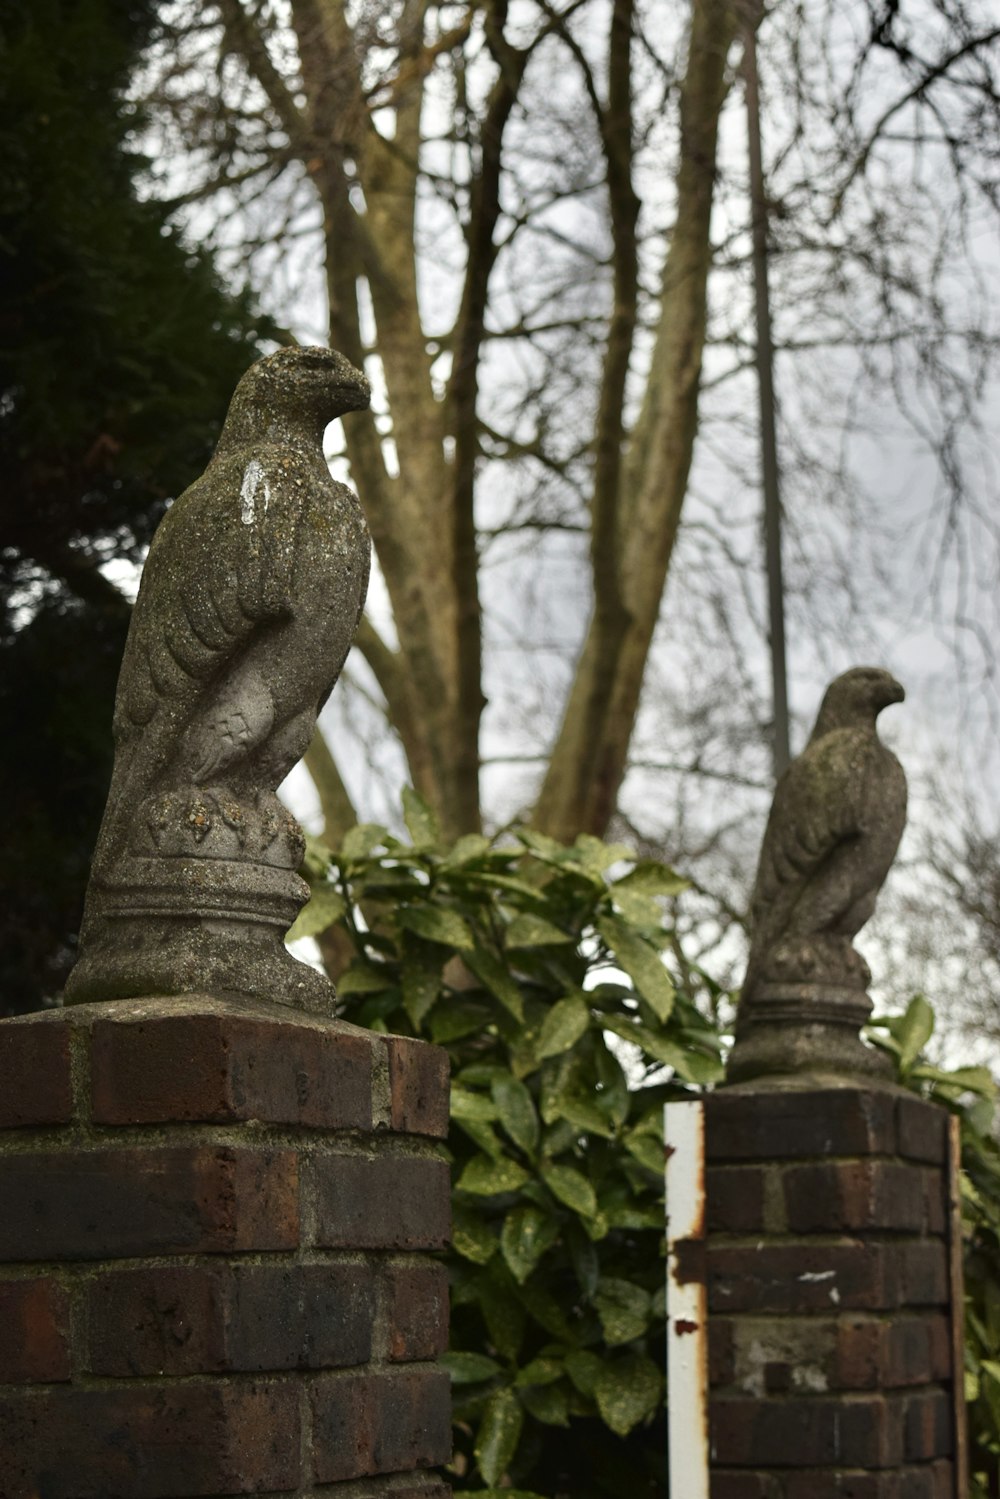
687,1301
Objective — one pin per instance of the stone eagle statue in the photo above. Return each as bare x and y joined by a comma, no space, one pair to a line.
835,824
250,597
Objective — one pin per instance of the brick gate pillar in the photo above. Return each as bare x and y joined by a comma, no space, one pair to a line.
829,1294
215,1220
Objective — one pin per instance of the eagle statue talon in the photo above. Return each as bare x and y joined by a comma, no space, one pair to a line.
250,596
835,823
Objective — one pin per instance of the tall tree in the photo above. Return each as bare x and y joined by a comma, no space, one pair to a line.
118,351
530,238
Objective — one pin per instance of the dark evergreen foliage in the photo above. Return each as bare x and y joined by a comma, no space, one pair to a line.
118,352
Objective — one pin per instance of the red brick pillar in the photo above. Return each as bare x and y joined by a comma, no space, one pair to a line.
214,1225
829,1296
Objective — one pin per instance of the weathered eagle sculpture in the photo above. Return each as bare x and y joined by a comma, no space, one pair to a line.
250,597
835,824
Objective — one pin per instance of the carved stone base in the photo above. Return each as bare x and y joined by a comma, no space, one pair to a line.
185,926
811,1029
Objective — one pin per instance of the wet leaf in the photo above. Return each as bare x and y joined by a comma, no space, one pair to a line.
571,1187
627,1390
623,1309
652,878
469,1368
527,1233
516,1111
528,930
364,978
471,1237
641,962
421,987
468,1105
498,1435
421,822
438,924
486,1177
562,1027
914,1031
362,841
495,977
547,1403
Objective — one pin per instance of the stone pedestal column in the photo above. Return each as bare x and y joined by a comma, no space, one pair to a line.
215,1221
829,1295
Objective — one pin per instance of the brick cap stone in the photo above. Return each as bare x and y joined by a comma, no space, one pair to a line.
154,1006
221,1057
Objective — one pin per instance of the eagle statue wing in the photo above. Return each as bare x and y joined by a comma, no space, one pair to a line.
188,673
819,805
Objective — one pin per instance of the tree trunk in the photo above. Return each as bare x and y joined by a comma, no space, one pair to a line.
588,761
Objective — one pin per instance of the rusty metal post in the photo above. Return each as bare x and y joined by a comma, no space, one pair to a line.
687,1302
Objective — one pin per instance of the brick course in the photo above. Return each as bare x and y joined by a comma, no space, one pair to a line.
381,1202
219,1250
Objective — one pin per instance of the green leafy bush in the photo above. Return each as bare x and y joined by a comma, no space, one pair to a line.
546,972
552,977
970,1093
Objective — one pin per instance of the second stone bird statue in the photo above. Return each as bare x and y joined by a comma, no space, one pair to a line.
249,600
835,824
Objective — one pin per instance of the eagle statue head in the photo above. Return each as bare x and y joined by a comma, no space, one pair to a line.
857,697
294,390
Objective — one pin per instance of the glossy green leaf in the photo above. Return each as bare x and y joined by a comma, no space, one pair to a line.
455,1020
652,878
613,1091
497,980
962,1079
547,1403
421,822
498,1435
421,986
692,1066
471,1237
547,1310
487,1178
471,846
361,841
465,1104
585,1260
914,1031
641,962
627,1390
317,861
529,930
483,1135
542,846
516,1110
636,906
585,1114
562,1027
364,978
469,1368
646,1150
503,1313
541,1371
596,1226
527,1233
584,1369
623,1309
596,855
438,924
571,1187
